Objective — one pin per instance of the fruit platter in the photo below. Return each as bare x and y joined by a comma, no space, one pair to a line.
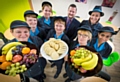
17,57
85,61
54,49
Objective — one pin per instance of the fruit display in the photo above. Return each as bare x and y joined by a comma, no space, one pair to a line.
54,48
17,57
84,61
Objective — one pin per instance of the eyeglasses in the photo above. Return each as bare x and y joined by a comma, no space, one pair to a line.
105,36
83,35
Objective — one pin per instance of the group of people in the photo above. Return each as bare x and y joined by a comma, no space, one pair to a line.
86,33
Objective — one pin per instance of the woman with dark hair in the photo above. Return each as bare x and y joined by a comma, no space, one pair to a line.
100,43
93,21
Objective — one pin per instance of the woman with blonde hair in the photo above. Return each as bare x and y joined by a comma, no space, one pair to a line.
46,21
84,36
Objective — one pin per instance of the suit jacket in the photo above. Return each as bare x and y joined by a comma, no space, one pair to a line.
71,32
45,26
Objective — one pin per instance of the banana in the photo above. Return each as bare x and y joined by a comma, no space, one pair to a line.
9,54
79,61
91,64
6,48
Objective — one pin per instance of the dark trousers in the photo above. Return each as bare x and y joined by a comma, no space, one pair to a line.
59,64
37,69
70,73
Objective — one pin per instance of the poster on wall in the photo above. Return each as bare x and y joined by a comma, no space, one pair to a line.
108,3
113,15
81,1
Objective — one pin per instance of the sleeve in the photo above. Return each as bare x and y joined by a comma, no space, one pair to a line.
107,51
42,33
49,35
66,39
37,41
39,22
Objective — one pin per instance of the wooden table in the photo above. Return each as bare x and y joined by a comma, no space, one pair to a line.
8,35
111,25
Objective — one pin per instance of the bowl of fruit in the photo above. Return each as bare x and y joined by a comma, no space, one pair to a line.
17,57
85,61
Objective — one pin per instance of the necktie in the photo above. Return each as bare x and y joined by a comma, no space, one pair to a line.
68,24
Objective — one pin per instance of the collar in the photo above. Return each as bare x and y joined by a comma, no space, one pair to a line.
47,21
69,19
99,48
58,37
37,31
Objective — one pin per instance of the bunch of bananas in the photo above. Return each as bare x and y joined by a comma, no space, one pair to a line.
7,50
85,59
54,48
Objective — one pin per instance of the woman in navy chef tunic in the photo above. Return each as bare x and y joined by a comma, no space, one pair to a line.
100,43
58,33
94,19
46,21
21,31
84,36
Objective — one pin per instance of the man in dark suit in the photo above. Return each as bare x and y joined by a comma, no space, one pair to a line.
71,23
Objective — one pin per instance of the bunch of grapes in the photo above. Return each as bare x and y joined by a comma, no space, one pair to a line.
15,68
29,59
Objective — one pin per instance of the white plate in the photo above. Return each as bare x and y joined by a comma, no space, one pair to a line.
48,57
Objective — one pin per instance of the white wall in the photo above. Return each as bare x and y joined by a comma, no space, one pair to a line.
61,6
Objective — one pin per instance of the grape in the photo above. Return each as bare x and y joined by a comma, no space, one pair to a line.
13,52
14,74
21,70
7,71
23,66
25,69
8,67
17,64
16,68
12,65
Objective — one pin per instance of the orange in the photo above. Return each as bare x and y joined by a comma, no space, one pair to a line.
4,65
2,58
25,50
72,52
